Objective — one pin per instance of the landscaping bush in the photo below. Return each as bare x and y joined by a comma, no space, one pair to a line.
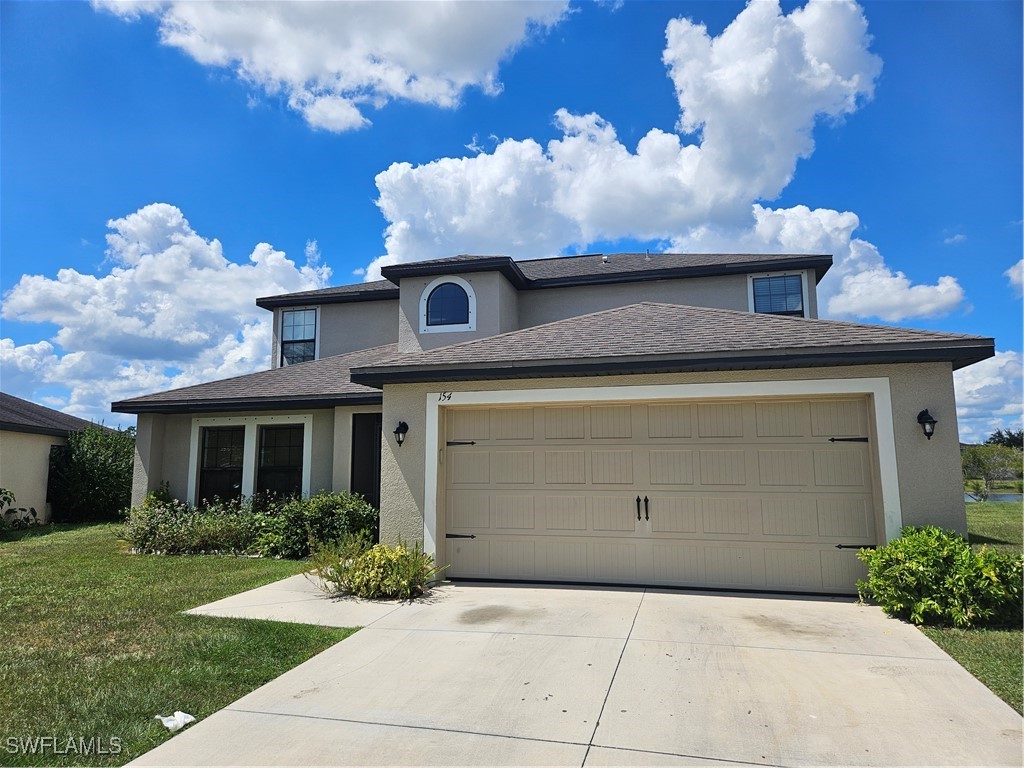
351,566
932,576
173,527
91,477
290,528
14,518
261,525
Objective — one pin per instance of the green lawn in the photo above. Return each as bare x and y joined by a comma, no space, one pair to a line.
93,643
994,656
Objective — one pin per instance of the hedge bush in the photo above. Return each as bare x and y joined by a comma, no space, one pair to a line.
352,566
91,477
260,526
932,576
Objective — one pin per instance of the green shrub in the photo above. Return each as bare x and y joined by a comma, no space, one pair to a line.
14,518
91,477
291,528
931,576
261,525
176,528
352,567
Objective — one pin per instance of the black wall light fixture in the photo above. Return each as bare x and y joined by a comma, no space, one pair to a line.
400,431
927,422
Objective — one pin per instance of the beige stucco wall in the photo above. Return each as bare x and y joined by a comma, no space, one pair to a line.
163,442
25,468
497,311
930,486
347,327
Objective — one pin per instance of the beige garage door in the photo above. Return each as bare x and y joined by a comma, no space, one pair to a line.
729,494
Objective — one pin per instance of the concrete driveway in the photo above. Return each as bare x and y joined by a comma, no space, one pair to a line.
526,675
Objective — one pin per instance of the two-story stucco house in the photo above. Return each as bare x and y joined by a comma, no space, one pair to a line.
663,419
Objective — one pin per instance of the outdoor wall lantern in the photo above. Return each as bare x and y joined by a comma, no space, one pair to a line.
927,422
400,431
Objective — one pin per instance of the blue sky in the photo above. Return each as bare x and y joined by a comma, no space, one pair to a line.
163,165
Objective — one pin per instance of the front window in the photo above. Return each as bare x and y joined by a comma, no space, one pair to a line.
448,304
779,295
279,466
298,336
220,470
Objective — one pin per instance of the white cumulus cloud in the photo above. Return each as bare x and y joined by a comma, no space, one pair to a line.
750,97
989,396
333,59
1015,275
171,311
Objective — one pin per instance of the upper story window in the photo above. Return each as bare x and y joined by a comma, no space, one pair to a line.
298,336
448,304
778,295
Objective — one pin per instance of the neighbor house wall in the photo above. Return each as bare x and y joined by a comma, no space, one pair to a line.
25,468
930,485
163,445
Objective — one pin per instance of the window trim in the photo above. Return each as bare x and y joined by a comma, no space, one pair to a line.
803,290
461,327
280,332
251,447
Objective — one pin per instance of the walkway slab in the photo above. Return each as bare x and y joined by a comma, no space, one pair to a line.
299,601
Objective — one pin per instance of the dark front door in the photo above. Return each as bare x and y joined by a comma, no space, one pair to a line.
366,436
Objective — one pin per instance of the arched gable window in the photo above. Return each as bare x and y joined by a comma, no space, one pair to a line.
447,304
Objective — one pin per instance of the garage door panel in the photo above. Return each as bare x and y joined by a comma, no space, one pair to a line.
846,517
468,509
793,517
723,467
670,421
565,467
564,513
612,467
723,515
838,467
671,467
739,494
513,467
613,513
782,419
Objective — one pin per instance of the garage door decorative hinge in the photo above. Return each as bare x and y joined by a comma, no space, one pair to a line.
461,442
460,536
855,546
837,440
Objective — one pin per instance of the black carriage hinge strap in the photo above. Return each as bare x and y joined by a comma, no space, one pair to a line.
460,536
461,442
841,440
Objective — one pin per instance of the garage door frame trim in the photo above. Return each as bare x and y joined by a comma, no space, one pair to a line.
877,387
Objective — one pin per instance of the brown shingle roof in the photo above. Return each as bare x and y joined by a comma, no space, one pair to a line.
667,337
17,415
587,269
319,383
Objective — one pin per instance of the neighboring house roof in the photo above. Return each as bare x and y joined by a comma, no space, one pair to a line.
562,271
317,384
17,415
652,337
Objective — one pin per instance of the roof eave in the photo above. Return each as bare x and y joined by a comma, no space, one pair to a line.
503,264
29,429
273,302
270,403
959,356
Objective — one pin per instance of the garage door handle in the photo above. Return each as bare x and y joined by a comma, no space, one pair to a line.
647,514
637,507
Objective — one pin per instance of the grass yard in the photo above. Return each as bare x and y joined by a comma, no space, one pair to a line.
994,656
93,643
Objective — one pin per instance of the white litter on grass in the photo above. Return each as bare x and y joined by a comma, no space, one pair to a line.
177,721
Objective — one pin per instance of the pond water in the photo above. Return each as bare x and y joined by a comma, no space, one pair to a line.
999,497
